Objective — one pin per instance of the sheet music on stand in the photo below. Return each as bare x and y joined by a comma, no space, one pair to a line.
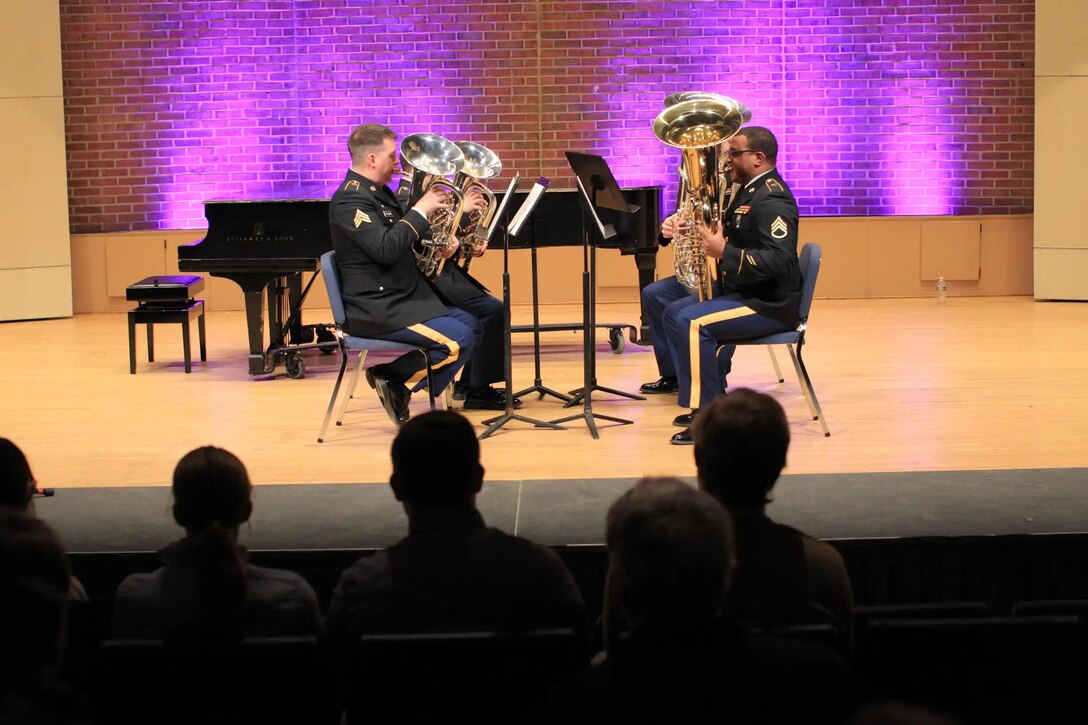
606,231
527,206
496,220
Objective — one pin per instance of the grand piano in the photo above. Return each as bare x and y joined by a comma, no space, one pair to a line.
266,246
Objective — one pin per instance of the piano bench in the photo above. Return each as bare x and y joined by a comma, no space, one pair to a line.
166,299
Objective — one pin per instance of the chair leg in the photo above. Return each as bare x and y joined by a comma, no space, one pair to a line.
447,396
774,361
335,392
350,392
185,343
131,343
807,390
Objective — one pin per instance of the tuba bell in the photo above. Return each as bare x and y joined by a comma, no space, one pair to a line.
436,157
698,125
480,163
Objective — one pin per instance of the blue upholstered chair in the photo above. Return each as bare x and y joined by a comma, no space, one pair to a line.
361,345
810,269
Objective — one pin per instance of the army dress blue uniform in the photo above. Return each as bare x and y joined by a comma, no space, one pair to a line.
656,297
759,290
385,295
460,289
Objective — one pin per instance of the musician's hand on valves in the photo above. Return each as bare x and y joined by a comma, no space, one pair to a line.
713,244
670,228
437,197
445,252
479,247
474,200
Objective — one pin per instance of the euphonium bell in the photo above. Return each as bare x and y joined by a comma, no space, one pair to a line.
437,157
480,163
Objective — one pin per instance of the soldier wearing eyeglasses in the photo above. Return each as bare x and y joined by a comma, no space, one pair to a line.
759,280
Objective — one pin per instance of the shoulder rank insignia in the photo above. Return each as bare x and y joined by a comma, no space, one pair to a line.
360,217
779,228
352,185
773,185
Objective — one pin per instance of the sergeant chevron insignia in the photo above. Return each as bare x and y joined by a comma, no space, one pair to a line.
360,217
779,228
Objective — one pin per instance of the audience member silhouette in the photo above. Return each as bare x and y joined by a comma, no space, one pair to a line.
675,656
17,487
452,572
898,713
33,609
783,576
207,591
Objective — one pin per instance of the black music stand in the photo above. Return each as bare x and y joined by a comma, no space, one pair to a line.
538,386
512,229
597,188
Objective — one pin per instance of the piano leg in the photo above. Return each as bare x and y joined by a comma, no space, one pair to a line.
646,261
276,316
294,302
255,324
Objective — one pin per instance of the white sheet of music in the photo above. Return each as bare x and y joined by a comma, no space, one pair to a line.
527,206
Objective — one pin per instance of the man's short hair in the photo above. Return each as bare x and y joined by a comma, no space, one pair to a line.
741,441
436,460
16,480
670,552
761,139
364,138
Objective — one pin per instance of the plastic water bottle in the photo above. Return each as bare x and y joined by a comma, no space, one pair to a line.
942,291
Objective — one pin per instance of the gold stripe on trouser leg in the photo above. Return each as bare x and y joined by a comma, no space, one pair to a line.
441,339
693,346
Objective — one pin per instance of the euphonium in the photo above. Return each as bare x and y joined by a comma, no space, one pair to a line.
437,157
698,127
480,163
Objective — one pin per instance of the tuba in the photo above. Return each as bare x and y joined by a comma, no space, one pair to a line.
726,182
434,156
698,125
480,163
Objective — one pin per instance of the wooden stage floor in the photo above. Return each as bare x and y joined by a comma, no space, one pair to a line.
982,383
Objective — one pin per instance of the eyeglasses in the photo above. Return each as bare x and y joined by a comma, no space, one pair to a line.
734,153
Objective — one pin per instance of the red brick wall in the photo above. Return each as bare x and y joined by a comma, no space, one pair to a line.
880,106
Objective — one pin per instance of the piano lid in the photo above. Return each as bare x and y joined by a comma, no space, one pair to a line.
260,229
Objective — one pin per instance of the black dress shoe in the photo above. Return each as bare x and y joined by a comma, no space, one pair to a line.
683,438
394,396
487,398
372,381
400,396
667,384
459,390
685,420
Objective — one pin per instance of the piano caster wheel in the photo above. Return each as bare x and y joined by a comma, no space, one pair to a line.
615,339
296,367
